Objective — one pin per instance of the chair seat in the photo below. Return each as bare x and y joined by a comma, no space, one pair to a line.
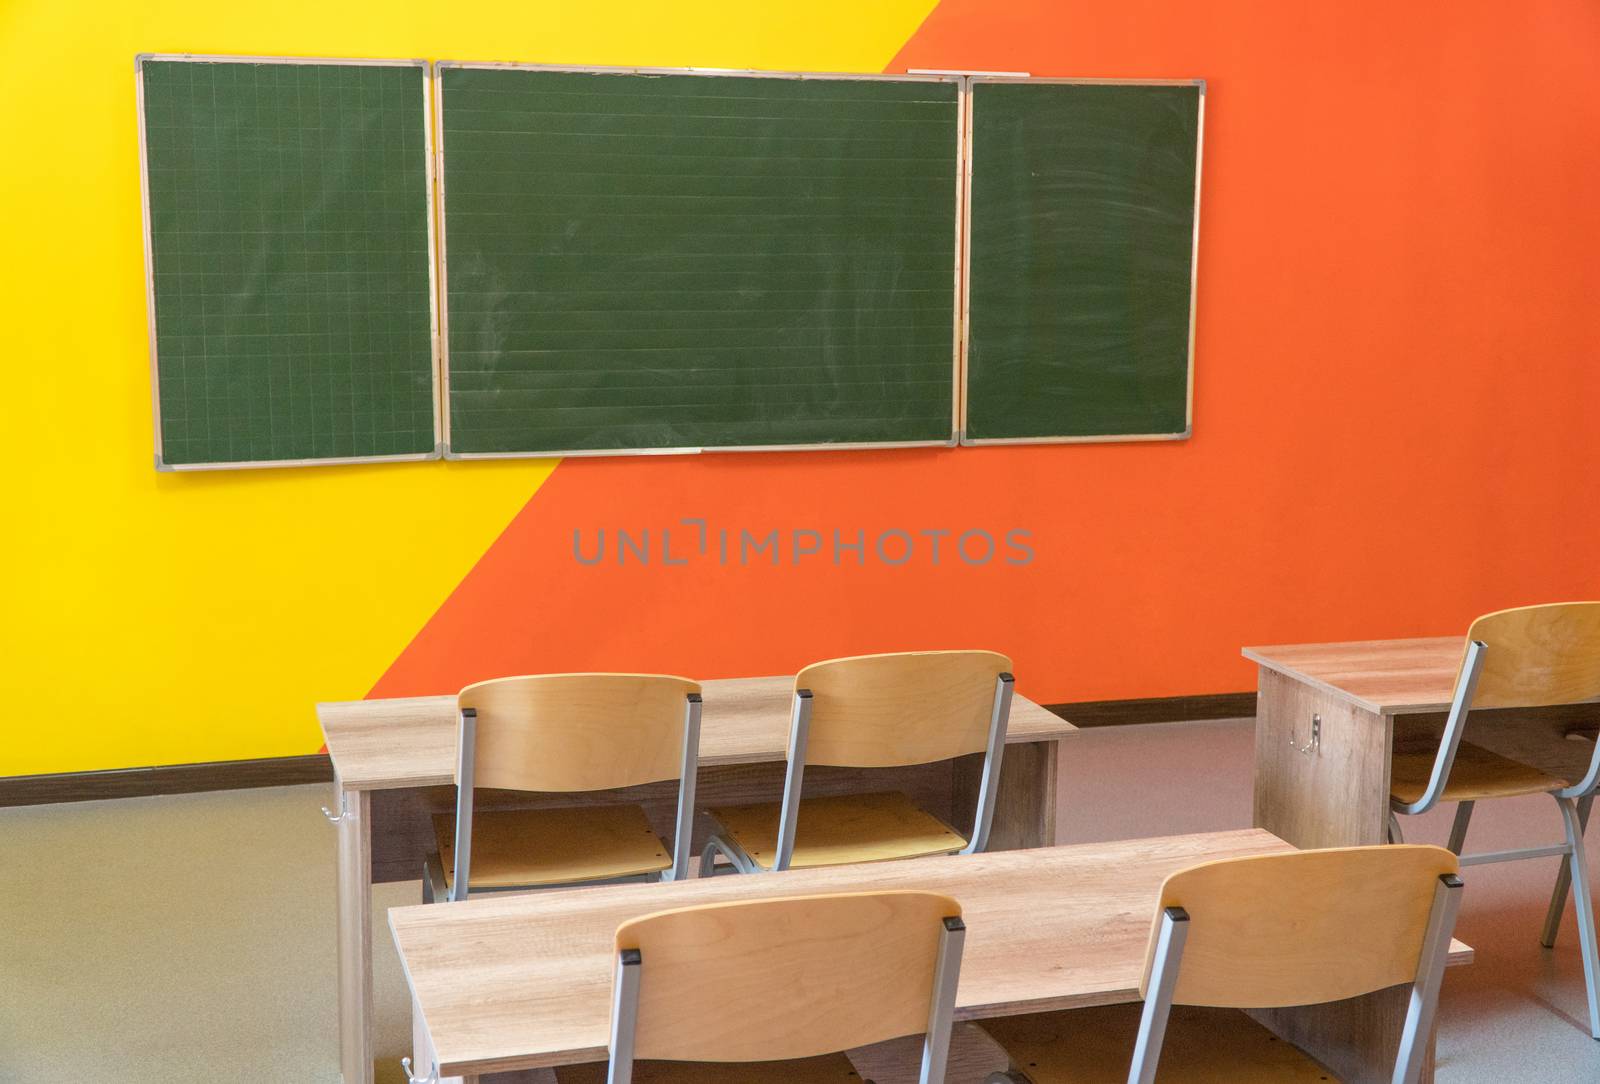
1476,773
836,830
1202,1046
828,1069
554,846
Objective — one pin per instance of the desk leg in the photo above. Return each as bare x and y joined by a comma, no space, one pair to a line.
1336,794
1357,1038
1025,804
355,938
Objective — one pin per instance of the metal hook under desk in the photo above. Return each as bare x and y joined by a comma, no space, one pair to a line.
344,813
431,1078
1315,743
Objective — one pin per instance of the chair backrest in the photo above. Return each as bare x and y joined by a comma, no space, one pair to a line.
571,732
914,707
772,979
1301,928
1538,655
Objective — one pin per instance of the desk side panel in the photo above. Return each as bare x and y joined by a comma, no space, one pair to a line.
1336,795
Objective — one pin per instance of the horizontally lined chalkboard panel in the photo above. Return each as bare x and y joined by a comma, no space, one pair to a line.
288,219
641,261
1082,226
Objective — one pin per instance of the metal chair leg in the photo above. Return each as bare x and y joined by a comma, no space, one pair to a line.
738,861
1558,897
708,860
434,889
1583,901
1458,830
1395,835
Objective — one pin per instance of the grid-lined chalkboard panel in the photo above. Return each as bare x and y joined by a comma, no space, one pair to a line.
288,224
640,261
1082,231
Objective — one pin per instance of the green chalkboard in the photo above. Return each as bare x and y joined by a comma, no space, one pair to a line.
641,261
287,211
1081,276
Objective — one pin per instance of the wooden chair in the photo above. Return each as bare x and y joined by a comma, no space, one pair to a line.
773,990
1532,656
874,711
566,732
1251,933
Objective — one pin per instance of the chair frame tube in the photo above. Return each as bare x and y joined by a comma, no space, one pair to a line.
1558,898
624,1016
434,888
1483,858
1431,962
1583,904
794,776
1174,931
735,856
942,1006
1454,724
1590,782
999,718
1458,828
683,837
466,765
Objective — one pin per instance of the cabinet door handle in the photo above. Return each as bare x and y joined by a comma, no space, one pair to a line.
345,812
1315,743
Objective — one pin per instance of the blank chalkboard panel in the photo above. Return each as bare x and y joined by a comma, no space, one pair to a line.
640,261
1083,207
289,254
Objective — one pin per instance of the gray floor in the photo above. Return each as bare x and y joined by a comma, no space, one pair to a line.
191,938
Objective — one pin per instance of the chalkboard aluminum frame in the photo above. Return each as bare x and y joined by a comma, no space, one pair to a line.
957,348
149,261
966,236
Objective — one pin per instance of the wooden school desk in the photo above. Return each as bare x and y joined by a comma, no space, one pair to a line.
393,762
520,982
1361,698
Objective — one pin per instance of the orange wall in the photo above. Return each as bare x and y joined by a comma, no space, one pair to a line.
1397,408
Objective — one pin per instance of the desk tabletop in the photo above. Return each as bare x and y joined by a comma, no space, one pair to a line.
411,741
515,982
1389,677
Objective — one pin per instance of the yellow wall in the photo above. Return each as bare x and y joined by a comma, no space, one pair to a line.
158,618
